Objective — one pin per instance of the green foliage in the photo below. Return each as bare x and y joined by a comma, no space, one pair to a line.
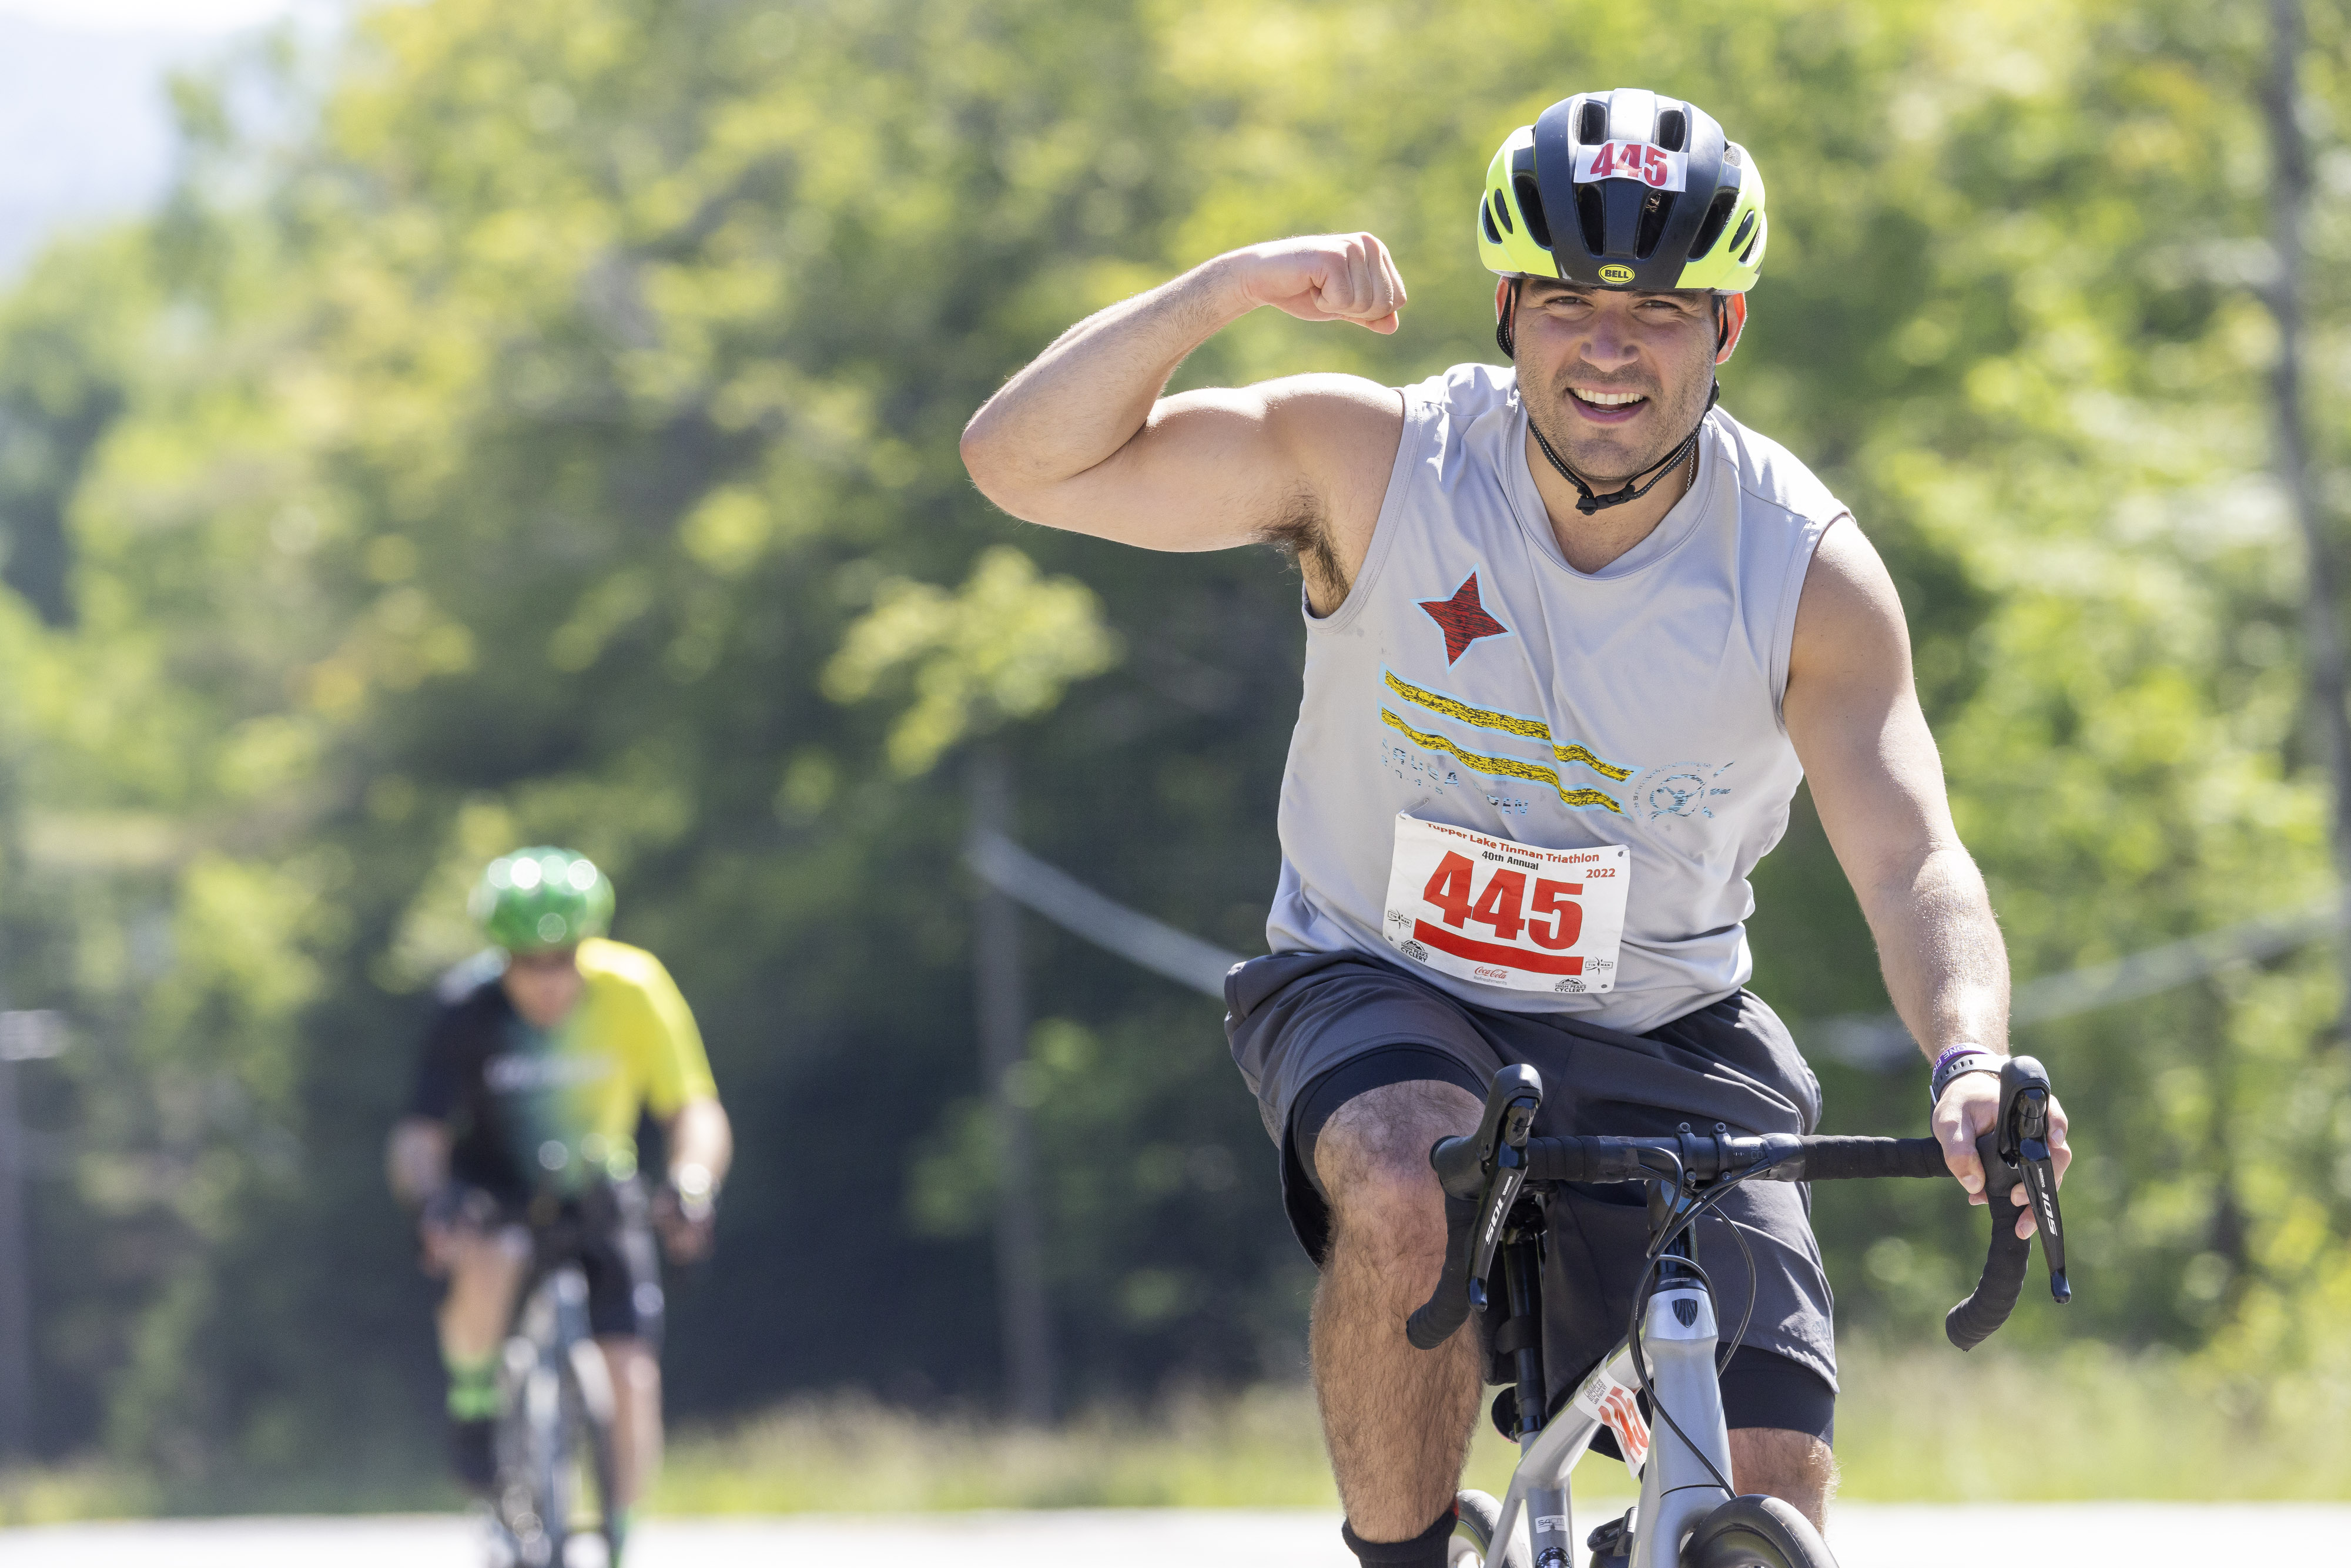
1002,647
539,426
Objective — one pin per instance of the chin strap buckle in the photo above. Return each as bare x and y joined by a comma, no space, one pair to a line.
1592,503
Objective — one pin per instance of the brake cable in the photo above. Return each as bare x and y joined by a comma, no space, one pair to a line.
1641,1370
1709,1203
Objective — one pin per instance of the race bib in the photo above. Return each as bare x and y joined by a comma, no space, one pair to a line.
1606,1398
1481,908
1652,166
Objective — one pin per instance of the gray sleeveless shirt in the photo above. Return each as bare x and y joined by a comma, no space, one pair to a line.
1473,679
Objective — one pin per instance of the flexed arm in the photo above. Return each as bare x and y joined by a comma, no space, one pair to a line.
1081,438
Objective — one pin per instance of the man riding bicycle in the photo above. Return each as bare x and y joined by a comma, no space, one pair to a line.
1573,636
542,1056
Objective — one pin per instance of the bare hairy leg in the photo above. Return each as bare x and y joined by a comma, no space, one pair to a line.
636,1416
1794,1467
1397,1420
485,1272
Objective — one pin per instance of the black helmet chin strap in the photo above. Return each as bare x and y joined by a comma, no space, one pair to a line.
1589,502
1592,503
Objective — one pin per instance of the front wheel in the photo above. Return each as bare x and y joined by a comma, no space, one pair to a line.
1473,1535
1756,1531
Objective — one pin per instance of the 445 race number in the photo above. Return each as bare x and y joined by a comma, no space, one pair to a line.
1500,913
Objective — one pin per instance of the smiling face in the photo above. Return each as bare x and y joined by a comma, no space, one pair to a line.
1613,379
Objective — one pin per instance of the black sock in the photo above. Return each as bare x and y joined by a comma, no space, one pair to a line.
1426,1550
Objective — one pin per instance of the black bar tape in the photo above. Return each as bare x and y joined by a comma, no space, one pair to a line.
1582,1159
1852,1159
1436,1319
1973,1320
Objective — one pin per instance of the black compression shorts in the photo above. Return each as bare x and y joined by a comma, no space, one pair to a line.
1311,1031
613,1247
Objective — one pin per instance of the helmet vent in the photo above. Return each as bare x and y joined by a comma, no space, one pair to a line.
1501,211
1531,208
1732,158
1592,217
1673,128
1745,226
1718,213
1486,221
1591,124
1656,208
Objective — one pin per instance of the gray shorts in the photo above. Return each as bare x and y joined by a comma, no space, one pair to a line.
1309,1028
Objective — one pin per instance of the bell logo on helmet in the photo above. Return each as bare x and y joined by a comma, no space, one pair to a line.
1615,272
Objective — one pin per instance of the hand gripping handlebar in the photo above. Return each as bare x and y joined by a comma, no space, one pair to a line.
2015,1152
1482,1175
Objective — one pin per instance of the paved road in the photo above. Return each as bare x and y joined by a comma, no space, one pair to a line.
1865,1536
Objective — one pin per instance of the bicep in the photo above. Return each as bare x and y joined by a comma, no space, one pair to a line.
1852,709
1221,467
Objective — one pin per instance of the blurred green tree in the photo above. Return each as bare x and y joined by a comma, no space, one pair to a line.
508,425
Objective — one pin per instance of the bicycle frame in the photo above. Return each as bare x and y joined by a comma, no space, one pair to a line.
1496,1183
1679,1336
551,1347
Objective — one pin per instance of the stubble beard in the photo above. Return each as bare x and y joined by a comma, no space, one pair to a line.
1599,458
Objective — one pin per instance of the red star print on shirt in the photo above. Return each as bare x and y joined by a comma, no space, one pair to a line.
1464,619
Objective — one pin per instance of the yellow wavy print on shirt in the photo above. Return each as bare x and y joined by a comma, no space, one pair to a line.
1500,767
1507,723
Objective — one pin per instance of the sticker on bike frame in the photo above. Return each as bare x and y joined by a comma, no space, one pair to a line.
1652,166
1605,1400
1504,914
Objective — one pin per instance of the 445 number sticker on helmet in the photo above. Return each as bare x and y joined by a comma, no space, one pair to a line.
1652,166
1500,913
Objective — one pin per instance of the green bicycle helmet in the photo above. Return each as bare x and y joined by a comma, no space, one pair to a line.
1625,190
537,900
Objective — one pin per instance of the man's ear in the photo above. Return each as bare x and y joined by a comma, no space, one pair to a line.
1729,320
1506,297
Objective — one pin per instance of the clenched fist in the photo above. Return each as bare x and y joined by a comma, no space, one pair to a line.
1324,277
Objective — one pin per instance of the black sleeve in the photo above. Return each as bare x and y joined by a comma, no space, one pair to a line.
440,1067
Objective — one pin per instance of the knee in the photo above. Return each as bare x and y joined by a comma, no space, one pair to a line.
1373,1159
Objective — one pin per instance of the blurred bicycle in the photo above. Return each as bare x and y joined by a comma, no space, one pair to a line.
519,1149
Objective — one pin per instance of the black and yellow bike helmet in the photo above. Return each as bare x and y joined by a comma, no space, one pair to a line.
1625,190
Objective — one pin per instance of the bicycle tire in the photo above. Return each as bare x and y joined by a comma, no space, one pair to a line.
1756,1531
588,1422
531,1507
1473,1534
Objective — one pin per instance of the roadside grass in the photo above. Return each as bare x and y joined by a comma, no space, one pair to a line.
60,1494
1928,1425
1919,1424
1262,1448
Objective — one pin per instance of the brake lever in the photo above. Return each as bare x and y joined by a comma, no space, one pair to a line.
1480,1175
1511,1107
2024,1144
